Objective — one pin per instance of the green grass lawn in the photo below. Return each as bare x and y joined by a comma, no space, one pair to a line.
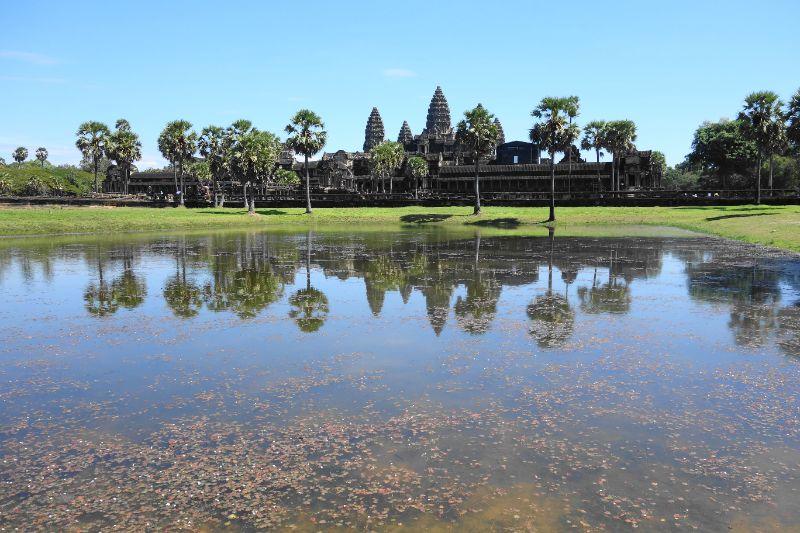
777,226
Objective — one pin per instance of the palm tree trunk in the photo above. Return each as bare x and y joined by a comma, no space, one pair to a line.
770,174
758,181
477,210
95,172
599,181
552,217
175,175
180,171
308,187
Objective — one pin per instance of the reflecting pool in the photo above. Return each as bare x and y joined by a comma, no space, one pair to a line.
407,380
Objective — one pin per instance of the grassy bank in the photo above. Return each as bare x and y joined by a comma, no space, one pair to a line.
777,226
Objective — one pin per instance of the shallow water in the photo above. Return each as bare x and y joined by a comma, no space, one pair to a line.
418,380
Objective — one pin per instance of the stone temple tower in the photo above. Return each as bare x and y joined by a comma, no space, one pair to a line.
438,122
405,136
501,136
374,132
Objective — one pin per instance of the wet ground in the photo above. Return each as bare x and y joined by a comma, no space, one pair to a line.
421,380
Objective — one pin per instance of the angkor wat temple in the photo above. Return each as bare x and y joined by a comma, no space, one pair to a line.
515,166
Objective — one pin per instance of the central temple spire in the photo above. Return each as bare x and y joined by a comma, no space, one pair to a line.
438,122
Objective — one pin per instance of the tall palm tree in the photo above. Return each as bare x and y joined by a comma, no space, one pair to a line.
572,109
593,139
41,155
124,148
761,111
307,136
178,143
20,155
211,145
91,142
793,120
549,134
477,133
619,138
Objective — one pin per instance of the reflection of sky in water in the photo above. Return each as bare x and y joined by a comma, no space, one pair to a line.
621,331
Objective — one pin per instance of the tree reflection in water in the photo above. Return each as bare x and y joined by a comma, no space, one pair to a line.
309,305
181,293
552,320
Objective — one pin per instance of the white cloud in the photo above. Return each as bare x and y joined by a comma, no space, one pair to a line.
399,73
28,57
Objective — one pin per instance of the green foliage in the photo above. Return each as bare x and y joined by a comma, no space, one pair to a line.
253,155
620,136
35,187
793,121
417,167
286,177
549,132
307,134
41,154
123,146
177,142
477,132
386,158
91,142
594,137
659,161
721,150
200,171
20,155
762,121
212,146
680,179
68,179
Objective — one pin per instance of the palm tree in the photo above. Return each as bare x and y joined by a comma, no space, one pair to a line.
20,155
253,156
91,142
759,115
477,133
124,148
211,145
793,122
386,158
417,168
594,139
41,155
549,134
619,138
572,109
307,136
178,144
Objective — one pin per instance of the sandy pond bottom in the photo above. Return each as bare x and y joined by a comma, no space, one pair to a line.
413,380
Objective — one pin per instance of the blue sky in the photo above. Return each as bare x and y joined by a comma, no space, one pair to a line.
667,65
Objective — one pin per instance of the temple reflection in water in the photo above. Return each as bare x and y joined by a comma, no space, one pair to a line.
460,280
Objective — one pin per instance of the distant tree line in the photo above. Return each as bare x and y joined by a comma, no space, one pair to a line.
763,139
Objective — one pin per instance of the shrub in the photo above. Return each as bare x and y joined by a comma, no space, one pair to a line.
35,187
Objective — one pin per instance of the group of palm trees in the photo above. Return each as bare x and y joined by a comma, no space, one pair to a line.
555,131
21,154
771,127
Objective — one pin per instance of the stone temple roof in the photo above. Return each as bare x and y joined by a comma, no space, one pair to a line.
374,132
438,121
405,136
